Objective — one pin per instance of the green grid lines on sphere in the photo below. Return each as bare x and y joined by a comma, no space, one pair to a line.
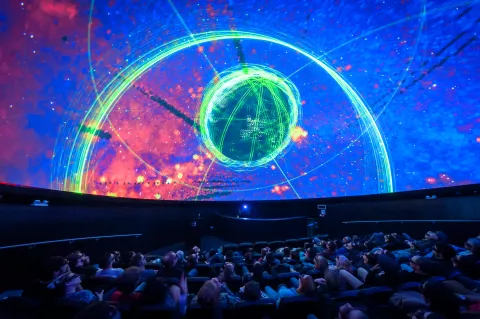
247,115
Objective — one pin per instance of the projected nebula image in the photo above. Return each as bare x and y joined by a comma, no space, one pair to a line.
239,100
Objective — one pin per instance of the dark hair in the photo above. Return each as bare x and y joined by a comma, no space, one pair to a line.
249,258
106,260
306,245
128,280
334,280
212,252
269,258
331,245
257,271
191,261
294,255
441,299
372,259
155,291
252,291
286,252
136,260
229,253
447,251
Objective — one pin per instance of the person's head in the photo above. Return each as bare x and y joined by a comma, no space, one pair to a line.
138,260
331,245
249,257
68,283
346,240
128,280
208,293
306,285
473,245
294,255
180,255
270,258
321,263
252,291
77,259
257,271
334,280
286,252
307,245
441,299
107,261
155,291
212,252
264,251
443,251
370,259
58,266
341,262
348,312
98,310
431,235
228,271
419,265
170,259
387,238
192,260
229,254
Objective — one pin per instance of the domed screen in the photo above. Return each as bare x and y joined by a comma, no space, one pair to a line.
239,99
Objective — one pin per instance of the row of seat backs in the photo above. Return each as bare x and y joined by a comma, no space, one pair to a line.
257,246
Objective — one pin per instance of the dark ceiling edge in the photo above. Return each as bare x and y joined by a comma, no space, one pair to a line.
22,194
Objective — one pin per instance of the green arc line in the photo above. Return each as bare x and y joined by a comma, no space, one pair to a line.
97,114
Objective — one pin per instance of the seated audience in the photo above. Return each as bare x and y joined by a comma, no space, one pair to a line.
269,262
170,268
43,289
425,245
228,273
330,252
79,264
213,293
348,312
138,262
107,269
306,286
190,265
128,286
69,287
252,292
156,292
256,274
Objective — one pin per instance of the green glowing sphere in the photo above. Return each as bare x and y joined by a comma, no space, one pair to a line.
247,114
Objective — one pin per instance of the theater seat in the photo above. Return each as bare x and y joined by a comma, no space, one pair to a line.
412,285
252,310
195,311
99,283
234,284
245,246
229,247
274,245
155,311
259,245
19,307
301,307
292,243
285,277
204,270
195,283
